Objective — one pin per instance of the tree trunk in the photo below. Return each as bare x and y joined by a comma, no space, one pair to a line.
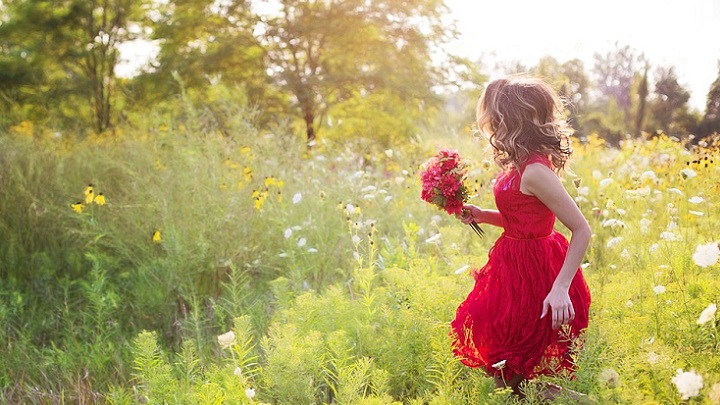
310,127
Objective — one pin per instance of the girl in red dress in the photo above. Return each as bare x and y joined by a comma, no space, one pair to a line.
530,302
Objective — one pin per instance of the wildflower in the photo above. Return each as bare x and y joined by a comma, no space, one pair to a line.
433,239
688,173
659,289
688,383
648,175
585,190
238,372
614,241
156,236
696,213
696,200
296,198
654,358
653,248
609,378
499,365
78,207
707,315
585,265
645,225
350,208
100,199
389,153
302,242
605,182
312,250
226,339
614,223
675,191
462,269
714,394
89,195
288,233
355,239
706,255
668,236
250,393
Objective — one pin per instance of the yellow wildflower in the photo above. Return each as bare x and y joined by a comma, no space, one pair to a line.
245,150
89,194
78,207
269,181
100,199
156,236
259,202
255,194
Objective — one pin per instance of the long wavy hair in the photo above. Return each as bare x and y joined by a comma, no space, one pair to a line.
522,115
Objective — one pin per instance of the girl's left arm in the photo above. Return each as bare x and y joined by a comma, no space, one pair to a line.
540,181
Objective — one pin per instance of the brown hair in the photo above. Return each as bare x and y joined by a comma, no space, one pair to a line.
522,115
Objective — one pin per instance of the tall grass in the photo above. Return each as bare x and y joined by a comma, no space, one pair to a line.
337,281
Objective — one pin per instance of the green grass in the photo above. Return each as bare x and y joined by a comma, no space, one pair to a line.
319,263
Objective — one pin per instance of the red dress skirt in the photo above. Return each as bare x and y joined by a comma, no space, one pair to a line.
500,319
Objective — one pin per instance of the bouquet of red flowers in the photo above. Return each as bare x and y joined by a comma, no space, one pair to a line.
443,183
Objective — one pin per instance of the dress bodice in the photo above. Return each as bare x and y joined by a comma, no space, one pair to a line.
523,216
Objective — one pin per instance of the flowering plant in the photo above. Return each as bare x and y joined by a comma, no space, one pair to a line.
443,183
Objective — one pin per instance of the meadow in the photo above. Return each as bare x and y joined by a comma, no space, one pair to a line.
171,263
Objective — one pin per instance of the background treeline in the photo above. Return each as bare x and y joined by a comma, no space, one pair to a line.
348,69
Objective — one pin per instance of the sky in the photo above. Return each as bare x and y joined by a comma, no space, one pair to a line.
680,33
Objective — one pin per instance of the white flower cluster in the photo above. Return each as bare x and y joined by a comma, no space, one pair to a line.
688,383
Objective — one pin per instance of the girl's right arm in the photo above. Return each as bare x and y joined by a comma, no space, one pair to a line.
474,213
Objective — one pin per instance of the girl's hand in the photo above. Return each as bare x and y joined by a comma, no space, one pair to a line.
559,305
470,213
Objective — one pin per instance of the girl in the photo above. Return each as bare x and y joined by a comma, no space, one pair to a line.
530,301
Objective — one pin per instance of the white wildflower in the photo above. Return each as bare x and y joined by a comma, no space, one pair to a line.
356,239
238,372
653,248
388,198
696,200
625,254
675,191
706,255
499,365
609,378
296,198
350,209
368,188
629,304
283,255
389,153
714,395
288,233
584,190
707,315
654,358
356,256
433,239
645,225
648,175
614,241
605,182
688,383
226,339
302,242
312,250
596,174
462,269
250,393
688,173
659,289
696,213
584,266
613,223
668,236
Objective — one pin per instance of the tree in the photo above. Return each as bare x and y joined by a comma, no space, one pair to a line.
711,121
642,93
323,52
670,98
614,76
69,48
571,82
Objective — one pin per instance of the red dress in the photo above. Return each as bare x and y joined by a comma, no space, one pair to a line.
500,319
